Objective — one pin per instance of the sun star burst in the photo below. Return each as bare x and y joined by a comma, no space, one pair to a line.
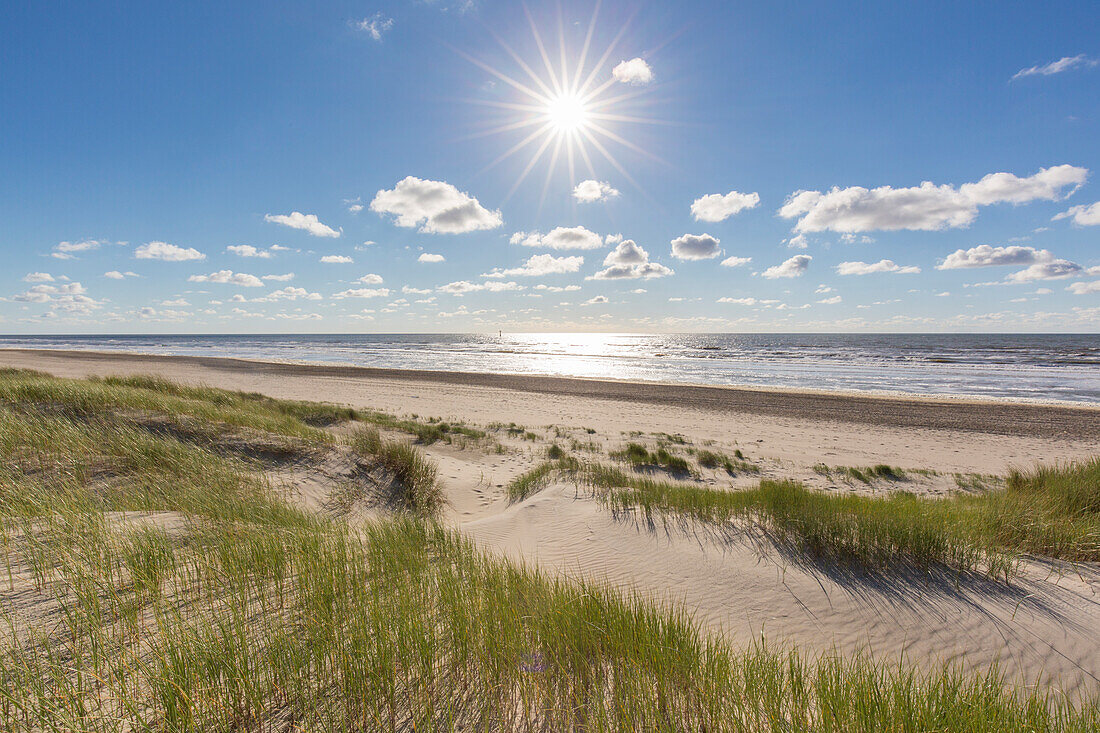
564,113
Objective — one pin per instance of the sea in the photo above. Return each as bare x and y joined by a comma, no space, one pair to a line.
1026,367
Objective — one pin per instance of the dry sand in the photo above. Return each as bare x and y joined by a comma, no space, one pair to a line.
1045,624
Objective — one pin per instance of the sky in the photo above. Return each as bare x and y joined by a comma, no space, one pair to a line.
484,165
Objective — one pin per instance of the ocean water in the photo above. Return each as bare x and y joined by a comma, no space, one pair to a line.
1044,367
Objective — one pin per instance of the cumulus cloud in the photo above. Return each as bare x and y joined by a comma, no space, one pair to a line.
429,257
279,278
1066,63
590,190
596,300
986,256
288,293
735,261
799,241
868,268
557,288
695,247
306,222
228,277
374,26
833,300
64,250
363,293
337,260
739,301
70,298
540,265
794,267
167,252
1083,288
925,207
635,72
116,275
1084,215
175,303
436,207
1050,270
38,277
370,279
247,250
628,261
718,207
461,287
560,238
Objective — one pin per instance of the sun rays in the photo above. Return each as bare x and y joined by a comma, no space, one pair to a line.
564,111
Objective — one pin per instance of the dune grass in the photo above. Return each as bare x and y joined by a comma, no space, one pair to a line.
255,616
732,466
640,456
413,473
1049,511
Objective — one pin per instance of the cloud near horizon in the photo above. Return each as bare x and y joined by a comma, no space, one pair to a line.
560,238
167,252
628,261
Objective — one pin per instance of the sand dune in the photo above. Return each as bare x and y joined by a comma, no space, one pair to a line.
1042,625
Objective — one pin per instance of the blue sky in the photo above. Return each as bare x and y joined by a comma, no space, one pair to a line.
307,167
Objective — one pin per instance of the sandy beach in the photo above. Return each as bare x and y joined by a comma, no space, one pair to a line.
1040,626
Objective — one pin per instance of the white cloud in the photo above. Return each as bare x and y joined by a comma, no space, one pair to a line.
718,207
152,314
925,207
363,293
114,275
1065,63
590,190
228,277
414,291
794,267
1046,185
306,222
375,26
64,250
279,278
739,301
1083,288
735,261
540,265
247,250
635,72
176,303
38,277
70,298
462,287
596,300
1084,215
695,247
557,288
436,206
1050,270
429,257
628,261
868,268
986,256
167,252
560,238
288,293
337,260
370,279
798,241
830,301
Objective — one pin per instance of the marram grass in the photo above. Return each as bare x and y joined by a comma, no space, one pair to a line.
253,616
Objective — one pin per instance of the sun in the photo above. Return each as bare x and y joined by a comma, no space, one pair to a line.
567,113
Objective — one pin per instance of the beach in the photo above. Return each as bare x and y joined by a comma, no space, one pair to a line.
1039,627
